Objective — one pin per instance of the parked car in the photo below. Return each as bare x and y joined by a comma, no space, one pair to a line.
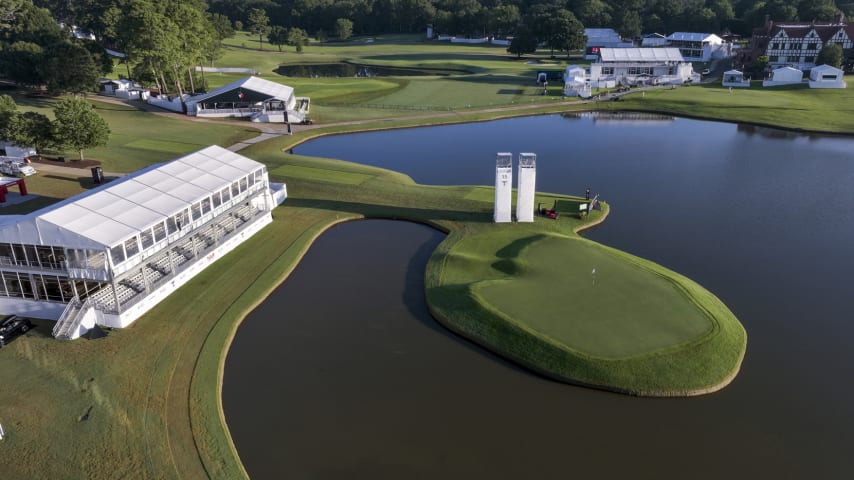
16,169
13,326
705,72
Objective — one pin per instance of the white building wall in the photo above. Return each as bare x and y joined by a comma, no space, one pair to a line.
527,187
503,187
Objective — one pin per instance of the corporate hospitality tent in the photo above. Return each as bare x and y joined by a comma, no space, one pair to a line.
121,248
826,76
254,97
784,76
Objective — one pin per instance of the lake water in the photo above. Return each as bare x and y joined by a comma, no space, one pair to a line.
370,387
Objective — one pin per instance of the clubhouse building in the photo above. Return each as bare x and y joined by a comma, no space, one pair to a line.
109,255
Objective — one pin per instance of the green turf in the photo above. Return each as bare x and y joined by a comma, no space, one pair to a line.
289,172
622,310
139,139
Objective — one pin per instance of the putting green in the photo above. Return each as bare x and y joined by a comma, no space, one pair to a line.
624,310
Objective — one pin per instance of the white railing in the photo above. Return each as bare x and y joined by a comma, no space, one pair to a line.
68,320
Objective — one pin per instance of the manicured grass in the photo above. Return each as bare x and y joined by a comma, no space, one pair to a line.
547,284
139,139
642,329
798,108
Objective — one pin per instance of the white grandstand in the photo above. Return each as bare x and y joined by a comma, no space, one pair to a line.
109,255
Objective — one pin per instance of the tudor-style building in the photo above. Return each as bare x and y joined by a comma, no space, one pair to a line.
797,45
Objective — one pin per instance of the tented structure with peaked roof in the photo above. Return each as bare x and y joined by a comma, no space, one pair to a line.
826,76
697,46
124,246
784,76
640,66
260,100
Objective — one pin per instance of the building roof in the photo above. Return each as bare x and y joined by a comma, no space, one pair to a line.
694,37
601,33
265,87
640,55
106,216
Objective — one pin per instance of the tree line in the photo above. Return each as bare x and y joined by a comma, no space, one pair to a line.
164,40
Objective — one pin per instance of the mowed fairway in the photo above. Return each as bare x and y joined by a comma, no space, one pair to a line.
622,311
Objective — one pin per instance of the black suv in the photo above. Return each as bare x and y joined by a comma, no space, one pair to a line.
11,327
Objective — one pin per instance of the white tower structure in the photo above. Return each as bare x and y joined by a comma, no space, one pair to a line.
503,186
527,187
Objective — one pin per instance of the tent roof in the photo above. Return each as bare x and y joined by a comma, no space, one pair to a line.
694,37
265,87
826,68
107,216
640,55
733,72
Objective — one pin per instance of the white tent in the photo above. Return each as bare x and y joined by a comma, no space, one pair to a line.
784,76
734,78
826,76
109,216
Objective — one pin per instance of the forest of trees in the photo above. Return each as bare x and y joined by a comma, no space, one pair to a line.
165,39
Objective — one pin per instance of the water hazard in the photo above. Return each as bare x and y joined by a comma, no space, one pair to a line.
349,378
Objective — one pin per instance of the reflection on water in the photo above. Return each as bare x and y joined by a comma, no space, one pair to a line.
349,378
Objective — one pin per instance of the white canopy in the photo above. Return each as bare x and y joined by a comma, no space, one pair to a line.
640,55
695,37
106,216
273,89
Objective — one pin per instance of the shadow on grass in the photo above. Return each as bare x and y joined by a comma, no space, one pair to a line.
369,210
508,255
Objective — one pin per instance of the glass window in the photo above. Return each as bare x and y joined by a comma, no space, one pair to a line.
226,194
197,210
159,232
217,199
117,253
147,238
243,185
251,178
206,205
13,284
131,246
235,189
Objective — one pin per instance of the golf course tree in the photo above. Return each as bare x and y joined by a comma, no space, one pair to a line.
523,41
557,27
24,128
69,68
297,38
830,55
278,36
343,28
78,126
32,129
259,24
